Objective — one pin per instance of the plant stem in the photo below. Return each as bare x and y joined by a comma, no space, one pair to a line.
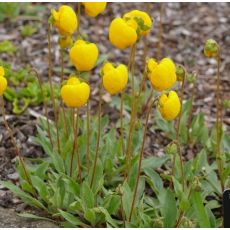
52,91
133,108
189,120
160,33
75,149
98,135
16,147
178,140
78,17
62,79
88,135
45,106
121,119
219,124
140,159
72,117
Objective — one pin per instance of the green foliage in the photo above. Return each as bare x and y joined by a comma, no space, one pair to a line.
7,47
9,10
28,30
24,89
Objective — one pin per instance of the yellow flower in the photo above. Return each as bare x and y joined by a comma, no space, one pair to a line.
114,79
169,105
92,9
75,94
144,22
2,71
121,34
84,55
162,75
65,42
65,20
3,85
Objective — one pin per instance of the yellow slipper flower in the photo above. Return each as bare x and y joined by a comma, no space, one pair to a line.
75,94
84,55
169,105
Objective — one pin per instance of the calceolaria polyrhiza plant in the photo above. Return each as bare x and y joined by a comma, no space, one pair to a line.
95,174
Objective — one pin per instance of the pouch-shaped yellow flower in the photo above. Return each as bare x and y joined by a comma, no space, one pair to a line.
92,9
121,34
169,105
75,94
65,20
3,85
114,78
2,71
142,19
162,75
84,55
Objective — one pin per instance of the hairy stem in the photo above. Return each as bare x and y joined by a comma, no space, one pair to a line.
133,112
160,33
52,90
88,135
140,160
219,124
121,120
75,149
98,135
178,140
62,79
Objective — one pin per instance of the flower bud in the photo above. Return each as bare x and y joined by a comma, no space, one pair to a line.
169,105
171,149
162,75
211,48
143,22
114,79
84,55
92,9
180,73
75,94
65,20
191,78
65,42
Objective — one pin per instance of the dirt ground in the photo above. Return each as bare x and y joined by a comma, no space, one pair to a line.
186,27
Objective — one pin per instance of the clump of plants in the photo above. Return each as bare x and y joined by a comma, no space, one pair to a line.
95,174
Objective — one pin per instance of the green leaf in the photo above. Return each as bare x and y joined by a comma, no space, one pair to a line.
90,216
98,177
40,186
24,196
127,199
87,196
71,218
32,216
200,210
154,162
108,218
154,180
112,203
7,47
168,208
